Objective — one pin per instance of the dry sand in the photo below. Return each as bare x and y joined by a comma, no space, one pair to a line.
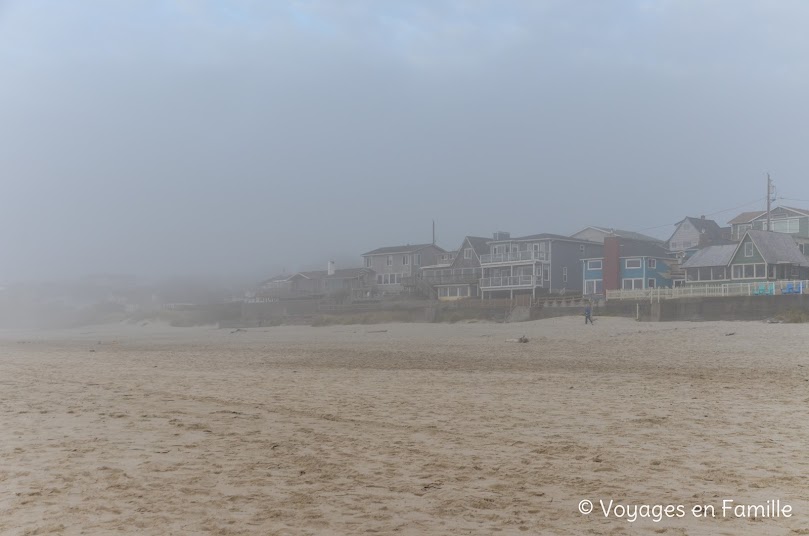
423,429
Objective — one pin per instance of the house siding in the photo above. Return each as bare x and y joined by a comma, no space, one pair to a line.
379,264
685,233
461,262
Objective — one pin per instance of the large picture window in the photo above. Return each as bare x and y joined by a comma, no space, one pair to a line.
592,286
594,265
632,263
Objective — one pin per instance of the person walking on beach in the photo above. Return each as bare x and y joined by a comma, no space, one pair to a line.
588,314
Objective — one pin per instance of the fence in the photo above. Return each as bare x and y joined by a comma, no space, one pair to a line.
770,288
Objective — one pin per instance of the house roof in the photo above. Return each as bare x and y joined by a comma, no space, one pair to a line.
348,273
747,217
622,233
276,278
711,256
709,229
544,236
799,210
479,244
399,249
777,248
642,248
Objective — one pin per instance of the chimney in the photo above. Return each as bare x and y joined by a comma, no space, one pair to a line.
702,217
330,269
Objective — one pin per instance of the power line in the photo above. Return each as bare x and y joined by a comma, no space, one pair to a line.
711,214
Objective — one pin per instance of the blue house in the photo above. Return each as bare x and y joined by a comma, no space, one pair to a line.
627,264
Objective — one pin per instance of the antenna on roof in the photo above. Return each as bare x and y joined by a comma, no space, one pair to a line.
433,232
769,199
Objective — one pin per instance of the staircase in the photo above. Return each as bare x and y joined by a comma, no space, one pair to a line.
677,271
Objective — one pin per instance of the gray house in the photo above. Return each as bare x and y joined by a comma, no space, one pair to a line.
692,233
537,264
392,265
460,277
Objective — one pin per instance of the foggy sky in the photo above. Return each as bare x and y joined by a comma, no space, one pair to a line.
243,137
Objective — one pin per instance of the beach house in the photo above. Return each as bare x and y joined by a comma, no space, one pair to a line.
538,264
627,264
459,278
392,264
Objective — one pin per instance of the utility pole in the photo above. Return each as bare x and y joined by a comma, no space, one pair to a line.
769,198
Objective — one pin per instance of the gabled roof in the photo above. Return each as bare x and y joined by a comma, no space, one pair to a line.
314,274
622,233
747,217
400,249
276,279
709,229
544,236
479,244
775,248
711,256
642,248
798,210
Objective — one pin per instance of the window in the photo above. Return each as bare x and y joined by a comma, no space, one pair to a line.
581,248
740,230
748,249
367,262
547,271
594,265
651,263
379,280
632,263
650,283
405,260
390,260
564,274
632,284
748,271
790,226
801,247
592,286
467,253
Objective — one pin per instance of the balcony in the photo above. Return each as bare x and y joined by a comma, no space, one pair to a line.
509,282
514,256
454,276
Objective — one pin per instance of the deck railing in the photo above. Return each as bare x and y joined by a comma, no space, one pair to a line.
457,275
769,288
514,256
511,281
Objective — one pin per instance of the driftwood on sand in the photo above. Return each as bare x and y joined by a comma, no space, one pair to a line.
522,339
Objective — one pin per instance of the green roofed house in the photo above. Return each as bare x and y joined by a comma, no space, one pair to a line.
759,256
768,255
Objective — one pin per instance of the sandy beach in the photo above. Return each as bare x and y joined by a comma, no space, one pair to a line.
402,428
